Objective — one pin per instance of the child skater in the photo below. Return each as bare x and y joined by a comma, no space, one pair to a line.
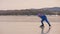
43,18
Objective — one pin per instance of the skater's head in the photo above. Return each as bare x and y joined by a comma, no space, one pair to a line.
40,14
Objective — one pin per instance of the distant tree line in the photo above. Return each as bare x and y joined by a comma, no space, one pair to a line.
28,12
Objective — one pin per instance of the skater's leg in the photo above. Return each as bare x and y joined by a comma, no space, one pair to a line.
42,22
48,22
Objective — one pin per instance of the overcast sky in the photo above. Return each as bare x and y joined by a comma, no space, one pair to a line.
27,4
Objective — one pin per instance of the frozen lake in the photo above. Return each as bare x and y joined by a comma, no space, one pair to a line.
27,18
28,25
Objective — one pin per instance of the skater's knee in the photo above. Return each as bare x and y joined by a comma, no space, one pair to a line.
41,21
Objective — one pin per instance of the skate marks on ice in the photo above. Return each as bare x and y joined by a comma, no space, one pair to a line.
28,28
